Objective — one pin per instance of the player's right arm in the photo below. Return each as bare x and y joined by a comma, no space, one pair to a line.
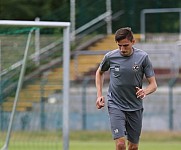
100,102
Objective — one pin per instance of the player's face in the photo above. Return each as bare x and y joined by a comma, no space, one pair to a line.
125,47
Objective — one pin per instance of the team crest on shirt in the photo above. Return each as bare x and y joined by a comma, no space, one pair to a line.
117,69
135,67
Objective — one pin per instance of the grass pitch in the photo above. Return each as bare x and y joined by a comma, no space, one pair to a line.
94,145
92,140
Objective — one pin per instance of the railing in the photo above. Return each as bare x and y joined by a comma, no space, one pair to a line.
153,11
95,24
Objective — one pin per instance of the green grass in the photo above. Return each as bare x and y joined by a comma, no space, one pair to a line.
160,145
77,145
94,145
91,140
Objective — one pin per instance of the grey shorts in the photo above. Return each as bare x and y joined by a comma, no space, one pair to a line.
126,123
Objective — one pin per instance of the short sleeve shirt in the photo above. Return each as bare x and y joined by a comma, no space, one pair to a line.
126,73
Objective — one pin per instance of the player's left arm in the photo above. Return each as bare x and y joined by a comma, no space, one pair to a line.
152,85
150,88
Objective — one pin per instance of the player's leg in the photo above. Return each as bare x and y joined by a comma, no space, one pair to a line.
117,121
132,146
120,143
133,128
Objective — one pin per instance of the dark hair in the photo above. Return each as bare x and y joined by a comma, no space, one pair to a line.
124,33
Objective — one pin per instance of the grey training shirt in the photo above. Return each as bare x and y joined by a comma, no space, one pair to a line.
126,73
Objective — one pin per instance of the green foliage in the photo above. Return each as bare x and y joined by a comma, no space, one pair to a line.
28,9
53,10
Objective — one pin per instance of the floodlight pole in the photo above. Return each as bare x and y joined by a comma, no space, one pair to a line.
180,25
72,18
1,111
109,18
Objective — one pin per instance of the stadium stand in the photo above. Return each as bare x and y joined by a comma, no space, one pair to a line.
80,66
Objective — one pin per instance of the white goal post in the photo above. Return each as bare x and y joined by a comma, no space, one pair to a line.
66,62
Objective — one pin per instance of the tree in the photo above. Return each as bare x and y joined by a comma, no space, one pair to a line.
28,9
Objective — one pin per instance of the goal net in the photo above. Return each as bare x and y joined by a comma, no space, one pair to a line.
34,84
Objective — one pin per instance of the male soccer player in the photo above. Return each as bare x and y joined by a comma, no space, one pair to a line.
128,65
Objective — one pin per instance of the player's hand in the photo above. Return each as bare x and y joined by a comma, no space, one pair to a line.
140,93
100,102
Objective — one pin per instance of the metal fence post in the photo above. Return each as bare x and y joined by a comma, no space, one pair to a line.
84,99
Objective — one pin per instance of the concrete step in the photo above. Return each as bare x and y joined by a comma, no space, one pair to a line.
52,87
19,104
18,109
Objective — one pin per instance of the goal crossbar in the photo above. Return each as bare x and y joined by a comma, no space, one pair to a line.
34,23
66,62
